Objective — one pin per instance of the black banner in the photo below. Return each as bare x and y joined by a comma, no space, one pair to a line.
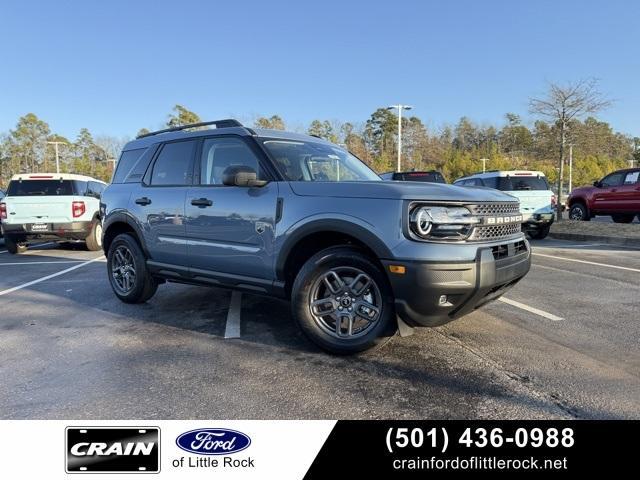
397,449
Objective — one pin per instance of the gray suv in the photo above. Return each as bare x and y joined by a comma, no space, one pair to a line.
296,217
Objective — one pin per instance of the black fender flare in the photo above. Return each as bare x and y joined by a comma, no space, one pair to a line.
351,228
124,217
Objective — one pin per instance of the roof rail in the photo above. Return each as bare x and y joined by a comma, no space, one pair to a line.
225,123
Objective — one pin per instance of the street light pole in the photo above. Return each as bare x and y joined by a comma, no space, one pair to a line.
570,166
55,144
399,107
484,164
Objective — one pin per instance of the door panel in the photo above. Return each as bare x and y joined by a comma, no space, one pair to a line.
162,222
235,234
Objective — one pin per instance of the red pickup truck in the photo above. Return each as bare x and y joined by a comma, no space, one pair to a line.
617,194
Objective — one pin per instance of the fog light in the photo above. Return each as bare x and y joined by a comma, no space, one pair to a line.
442,300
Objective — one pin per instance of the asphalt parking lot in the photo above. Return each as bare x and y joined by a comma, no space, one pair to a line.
565,344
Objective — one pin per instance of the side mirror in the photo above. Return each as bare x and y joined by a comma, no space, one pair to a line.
597,184
241,176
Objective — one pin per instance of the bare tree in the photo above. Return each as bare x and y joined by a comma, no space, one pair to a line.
563,103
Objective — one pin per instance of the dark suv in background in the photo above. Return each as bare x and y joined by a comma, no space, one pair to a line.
432,176
617,194
297,217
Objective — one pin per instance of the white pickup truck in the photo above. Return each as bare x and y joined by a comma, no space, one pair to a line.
51,206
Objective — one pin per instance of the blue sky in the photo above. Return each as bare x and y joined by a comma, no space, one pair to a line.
116,66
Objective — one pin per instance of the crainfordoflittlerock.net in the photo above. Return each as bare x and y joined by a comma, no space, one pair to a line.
480,463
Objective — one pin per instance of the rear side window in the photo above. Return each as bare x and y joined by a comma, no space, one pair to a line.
515,183
27,188
174,164
126,163
94,189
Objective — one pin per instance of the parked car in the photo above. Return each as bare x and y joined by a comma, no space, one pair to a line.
617,194
432,176
51,206
297,217
537,201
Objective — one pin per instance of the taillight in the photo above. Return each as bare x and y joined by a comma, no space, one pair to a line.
78,209
3,211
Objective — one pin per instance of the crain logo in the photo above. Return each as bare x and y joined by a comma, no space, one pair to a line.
113,449
213,441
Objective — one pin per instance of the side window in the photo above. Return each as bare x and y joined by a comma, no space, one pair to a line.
126,162
95,189
613,180
631,178
174,163
81,188
220,153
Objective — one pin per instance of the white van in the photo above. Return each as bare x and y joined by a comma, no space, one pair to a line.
51,206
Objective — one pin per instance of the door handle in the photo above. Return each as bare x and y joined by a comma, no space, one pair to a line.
201,202
143,201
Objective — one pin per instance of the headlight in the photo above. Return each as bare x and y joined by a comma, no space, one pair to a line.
441,223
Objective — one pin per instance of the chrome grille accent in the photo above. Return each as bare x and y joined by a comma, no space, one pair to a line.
495,232
508,208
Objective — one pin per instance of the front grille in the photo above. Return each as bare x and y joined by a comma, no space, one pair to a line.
502,251
495,232
508,208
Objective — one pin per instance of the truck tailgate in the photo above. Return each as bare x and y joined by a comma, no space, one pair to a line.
49,209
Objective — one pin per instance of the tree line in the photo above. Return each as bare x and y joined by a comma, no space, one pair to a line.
455,150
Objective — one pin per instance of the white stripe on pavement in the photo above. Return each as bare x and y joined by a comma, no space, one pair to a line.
48,277
233,316
39,263
537,311
629,269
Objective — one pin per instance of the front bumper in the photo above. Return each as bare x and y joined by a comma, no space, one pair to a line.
420,292
51,231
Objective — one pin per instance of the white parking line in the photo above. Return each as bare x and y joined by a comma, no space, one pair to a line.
629,269
4,251
48,277
40,263
233,316
537,311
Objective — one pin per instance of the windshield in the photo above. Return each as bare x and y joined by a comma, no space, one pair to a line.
301,161
511,184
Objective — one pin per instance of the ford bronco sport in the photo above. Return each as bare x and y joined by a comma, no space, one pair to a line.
51,206
294,216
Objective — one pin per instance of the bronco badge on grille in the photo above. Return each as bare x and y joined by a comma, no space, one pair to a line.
502,219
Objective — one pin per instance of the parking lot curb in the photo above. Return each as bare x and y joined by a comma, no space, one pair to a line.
580,237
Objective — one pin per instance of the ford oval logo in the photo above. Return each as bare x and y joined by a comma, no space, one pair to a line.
213,441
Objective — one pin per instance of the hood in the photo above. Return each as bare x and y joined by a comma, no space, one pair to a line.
583,189
400,191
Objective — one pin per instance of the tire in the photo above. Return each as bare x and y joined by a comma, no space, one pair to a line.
94,239
541,233
622,218
346,336
127,270
13,246
578,211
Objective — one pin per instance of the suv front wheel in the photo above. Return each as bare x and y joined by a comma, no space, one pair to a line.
127,269
342,301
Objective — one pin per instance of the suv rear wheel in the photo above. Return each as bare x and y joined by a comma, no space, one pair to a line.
622,218
14,246
127,269
342,301
94,239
